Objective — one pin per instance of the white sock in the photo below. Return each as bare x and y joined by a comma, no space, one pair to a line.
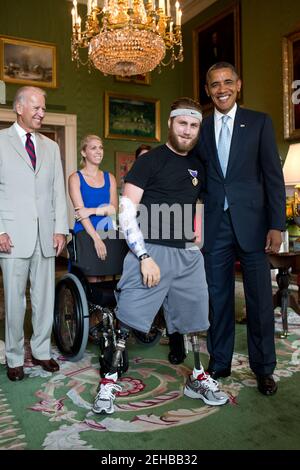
197,372
113,376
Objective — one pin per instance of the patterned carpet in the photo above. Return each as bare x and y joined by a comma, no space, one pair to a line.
53,411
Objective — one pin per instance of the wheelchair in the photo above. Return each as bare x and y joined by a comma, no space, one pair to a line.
83,312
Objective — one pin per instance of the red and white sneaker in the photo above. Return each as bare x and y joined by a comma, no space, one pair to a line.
104,401
205,388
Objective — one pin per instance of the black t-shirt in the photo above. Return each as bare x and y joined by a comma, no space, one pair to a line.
171,185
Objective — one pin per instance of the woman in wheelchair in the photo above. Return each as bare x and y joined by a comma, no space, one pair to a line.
94,195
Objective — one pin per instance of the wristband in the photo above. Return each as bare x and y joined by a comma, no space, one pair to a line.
144,256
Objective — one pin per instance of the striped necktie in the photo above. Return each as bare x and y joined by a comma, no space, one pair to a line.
30,149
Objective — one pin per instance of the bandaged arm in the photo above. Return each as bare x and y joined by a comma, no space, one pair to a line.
130,227
131,198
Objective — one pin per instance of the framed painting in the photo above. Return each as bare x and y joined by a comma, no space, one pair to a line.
291,85
217,40
27,62
123,163
137,79
131,117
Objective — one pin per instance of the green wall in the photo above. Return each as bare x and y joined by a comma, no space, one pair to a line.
263,24
78,91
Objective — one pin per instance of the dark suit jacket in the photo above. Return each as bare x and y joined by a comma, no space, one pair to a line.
254,183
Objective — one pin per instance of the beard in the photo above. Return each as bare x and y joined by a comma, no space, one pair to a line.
181,146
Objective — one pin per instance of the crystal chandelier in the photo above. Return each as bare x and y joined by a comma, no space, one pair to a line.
127,37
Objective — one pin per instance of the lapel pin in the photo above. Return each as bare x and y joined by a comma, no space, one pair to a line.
242,125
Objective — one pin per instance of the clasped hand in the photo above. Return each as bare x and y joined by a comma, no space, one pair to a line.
82,213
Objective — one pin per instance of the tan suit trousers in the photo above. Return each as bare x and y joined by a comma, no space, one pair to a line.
41,273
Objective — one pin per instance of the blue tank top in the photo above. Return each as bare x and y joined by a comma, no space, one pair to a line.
95,197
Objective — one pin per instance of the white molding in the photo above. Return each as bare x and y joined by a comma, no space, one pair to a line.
69,122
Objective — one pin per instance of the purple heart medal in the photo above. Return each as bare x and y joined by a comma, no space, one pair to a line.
194,174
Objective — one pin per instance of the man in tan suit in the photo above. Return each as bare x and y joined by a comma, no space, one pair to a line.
33,225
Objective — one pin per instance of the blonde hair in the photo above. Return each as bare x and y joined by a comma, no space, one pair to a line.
84,143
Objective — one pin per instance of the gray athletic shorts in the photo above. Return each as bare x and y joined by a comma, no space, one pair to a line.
182,291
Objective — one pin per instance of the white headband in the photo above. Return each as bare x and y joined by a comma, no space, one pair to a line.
186,112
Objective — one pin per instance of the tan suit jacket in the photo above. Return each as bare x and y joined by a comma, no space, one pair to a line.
31,202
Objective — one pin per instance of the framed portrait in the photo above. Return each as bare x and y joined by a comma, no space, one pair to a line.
291,85
27,62
123,163
137,79
131,117
217,40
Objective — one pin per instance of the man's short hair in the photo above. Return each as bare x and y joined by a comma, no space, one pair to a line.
222,65
186,103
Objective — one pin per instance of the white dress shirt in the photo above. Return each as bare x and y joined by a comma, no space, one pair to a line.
218,121
22,134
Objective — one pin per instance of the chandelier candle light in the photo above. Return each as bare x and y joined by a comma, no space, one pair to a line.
127,37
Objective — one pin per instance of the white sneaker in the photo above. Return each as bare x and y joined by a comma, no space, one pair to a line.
205,388
104,401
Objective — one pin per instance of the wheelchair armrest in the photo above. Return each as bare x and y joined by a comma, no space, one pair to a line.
71,247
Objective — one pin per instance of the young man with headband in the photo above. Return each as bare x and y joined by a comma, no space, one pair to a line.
164,265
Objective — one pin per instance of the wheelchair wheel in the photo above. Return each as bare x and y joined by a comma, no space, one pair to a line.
153,336
106,356
71,317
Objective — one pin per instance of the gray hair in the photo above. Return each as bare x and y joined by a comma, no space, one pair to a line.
22,92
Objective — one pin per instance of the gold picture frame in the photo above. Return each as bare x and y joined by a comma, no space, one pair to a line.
137,79
28,62
291,84
131,117
123,163
217,40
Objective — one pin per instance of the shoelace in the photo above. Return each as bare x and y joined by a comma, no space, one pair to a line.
209,382
106,390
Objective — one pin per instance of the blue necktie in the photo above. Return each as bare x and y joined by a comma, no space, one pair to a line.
224,148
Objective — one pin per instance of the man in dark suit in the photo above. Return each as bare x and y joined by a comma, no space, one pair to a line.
244,215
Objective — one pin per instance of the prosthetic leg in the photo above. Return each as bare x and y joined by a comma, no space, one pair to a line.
200,385
104,401
195,339
122,336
